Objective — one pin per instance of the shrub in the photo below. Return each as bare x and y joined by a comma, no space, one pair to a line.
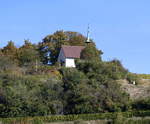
119,119
37,121
80,122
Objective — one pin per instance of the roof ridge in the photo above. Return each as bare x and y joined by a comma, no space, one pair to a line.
73,46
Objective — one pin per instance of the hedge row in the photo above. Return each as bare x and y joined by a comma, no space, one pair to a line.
144,76
55,118
142,121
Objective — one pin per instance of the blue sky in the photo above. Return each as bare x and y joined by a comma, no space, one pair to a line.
120,28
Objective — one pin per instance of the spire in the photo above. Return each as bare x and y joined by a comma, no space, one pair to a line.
88,37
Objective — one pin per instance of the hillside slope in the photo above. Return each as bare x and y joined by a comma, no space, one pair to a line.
139,91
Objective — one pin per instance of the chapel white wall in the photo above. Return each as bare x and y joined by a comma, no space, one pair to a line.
70,62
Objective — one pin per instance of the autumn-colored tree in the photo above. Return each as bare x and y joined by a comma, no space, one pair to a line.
10,50
49,48
75,38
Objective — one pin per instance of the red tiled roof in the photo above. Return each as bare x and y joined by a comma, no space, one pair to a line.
72,51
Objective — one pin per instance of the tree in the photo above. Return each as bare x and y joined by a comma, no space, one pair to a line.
10,50
91,53
50,47
28,54
75,38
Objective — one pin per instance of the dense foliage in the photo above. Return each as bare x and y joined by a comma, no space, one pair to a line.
31,83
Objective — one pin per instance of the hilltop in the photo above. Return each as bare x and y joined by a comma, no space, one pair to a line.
34,83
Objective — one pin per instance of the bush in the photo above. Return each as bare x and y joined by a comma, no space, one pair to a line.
80,122
119,119
37,121
143,104
139,121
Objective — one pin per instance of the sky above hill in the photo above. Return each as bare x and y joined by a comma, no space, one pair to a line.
120,28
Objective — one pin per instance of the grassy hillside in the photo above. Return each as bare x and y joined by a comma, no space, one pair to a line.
144,76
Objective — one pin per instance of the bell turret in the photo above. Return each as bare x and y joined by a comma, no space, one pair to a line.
88,37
